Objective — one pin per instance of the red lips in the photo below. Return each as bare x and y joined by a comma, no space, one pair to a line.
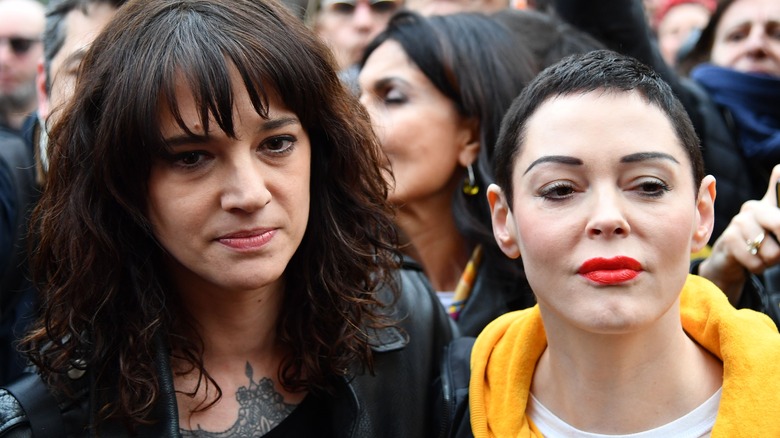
610,271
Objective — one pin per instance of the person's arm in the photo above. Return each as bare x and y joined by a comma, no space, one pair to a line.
732,260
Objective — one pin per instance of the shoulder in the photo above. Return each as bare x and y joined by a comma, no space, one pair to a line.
13,421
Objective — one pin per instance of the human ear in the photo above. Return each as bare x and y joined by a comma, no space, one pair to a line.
504,226
42,92
705,214
469,144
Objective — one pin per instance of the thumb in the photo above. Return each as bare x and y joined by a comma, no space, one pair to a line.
772,191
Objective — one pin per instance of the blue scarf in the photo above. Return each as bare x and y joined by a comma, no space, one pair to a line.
754,102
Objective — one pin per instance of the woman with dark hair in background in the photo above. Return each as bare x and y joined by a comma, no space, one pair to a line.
216,253
436,89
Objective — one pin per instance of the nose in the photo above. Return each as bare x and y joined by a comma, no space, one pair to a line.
756,43
244,187
607,216
363,17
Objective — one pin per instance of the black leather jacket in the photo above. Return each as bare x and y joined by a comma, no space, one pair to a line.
399,400
494,294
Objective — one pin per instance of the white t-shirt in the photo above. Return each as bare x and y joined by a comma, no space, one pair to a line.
695,424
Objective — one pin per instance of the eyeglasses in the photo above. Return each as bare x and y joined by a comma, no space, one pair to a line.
20,45
347,7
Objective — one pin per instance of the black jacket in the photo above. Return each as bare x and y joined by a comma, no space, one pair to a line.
494,293
399,400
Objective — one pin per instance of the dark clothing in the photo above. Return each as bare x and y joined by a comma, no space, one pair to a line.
494,294
397,401
18,194
310,418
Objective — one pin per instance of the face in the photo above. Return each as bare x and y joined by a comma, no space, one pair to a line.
424,137
604,212
80,31
677,25
21,28
231,212
347,26
747,37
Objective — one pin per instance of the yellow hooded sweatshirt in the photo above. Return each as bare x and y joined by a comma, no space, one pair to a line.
747,342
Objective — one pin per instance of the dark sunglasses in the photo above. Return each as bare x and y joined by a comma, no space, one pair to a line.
348,6
20,45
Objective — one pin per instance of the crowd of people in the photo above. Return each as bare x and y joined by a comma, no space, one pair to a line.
385,218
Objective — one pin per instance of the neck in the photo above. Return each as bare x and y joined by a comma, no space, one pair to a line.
434,241
598,383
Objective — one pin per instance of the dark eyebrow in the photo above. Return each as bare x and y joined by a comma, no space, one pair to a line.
562,159
267,125
632,158
644,156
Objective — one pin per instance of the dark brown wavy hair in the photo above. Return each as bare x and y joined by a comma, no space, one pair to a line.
105,294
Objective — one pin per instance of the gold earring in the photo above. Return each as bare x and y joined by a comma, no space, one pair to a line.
470,186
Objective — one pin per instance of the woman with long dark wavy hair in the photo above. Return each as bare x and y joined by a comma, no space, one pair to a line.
215,254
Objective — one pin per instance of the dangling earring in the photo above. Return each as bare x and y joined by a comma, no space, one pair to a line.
470,186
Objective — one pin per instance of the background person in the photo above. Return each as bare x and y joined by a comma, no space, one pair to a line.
71,26
21,28
436,89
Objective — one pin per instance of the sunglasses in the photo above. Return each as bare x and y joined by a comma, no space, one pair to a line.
20,45
347,7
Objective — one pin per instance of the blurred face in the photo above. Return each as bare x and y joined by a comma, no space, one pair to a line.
604,213
676,27
231,212
424,137
21,29
347,26
747,38
80,31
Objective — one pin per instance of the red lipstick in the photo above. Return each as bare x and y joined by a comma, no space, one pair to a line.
610,271
248,240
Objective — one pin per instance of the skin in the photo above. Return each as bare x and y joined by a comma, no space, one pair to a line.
348,33
730,261
600,176
19,18
677,25
428,145
230,214
747,37
80,31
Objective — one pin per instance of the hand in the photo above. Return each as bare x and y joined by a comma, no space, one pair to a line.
732,258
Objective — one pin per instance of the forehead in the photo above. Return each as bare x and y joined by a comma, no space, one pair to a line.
81,29
750,11
599,125
21,18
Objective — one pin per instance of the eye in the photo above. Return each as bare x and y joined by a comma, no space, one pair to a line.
342,8
652,188
384,7
556,191
279,145
394,96
737,35
188,159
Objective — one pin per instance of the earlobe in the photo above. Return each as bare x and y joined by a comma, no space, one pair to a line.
504,227
705,214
